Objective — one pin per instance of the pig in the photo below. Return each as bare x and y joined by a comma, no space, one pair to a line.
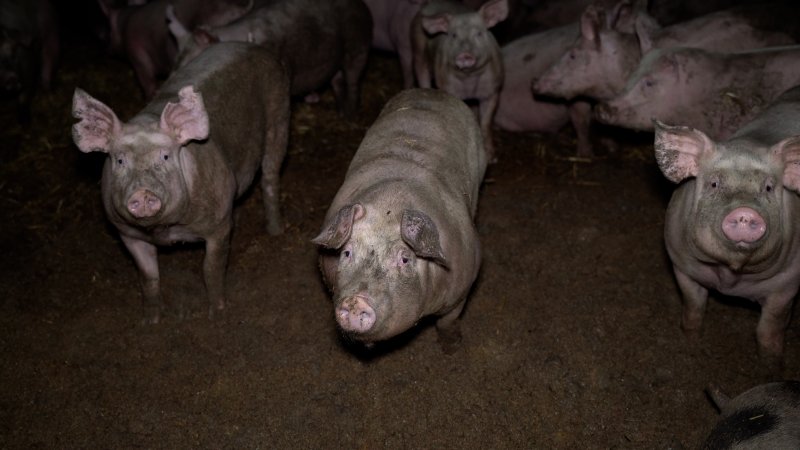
174,170
766,416
732,223
715,92
599,62
454,50
525,59
398,242
321,42
391,28
140,31
29,49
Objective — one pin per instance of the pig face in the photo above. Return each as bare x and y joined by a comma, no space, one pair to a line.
466,42
386,260
738,201
597,64
658,89
144,171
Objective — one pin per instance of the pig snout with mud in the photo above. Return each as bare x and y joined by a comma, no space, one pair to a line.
174,170
452,46
732,224
764,417
399,242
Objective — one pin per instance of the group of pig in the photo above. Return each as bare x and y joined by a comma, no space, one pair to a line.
398,242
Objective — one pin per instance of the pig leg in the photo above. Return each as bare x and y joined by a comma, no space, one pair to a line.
145,72
695,297
775,314
449,329
215,263
145,255
354,64
277,140
580,114
420,58
486,110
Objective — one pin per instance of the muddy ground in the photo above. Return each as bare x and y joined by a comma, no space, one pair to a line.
571,336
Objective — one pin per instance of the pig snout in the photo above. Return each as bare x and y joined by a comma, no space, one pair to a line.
144,203
743,225
355,315
465,60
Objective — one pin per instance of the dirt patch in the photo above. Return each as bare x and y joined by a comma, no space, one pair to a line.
571,335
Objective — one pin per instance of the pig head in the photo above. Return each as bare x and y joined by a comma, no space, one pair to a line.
144,178
385,259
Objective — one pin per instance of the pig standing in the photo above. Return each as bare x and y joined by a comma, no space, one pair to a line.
391,30
453,47
320,41
29,48
599,62
140,31
715,92
764,417
399,241
732,225
174,170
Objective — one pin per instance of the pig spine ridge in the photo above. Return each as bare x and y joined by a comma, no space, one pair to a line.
424,153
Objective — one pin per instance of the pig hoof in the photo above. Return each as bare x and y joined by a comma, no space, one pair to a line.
152,315
216,310
449,340
274,229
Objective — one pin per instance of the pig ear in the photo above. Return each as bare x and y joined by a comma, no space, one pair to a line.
789,150
679,150
336,231
493,12
187,120
644,31
203,37
439,23
421,234
591,19
98,124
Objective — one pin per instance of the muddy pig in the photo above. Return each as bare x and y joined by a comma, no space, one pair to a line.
453,47
715,92
732,223
398,242
764,417
321,42
600,61
174,170
29,48
140,32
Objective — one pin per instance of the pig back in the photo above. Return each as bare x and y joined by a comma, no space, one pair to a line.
431,140
245,89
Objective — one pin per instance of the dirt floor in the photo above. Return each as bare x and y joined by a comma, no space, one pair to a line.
571,336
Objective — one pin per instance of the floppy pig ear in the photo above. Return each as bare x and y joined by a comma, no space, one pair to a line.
187,120
679,150
494,11
421,234
98,124
336,231
789,150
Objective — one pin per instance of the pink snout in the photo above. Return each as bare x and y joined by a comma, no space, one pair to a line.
744,225
144,203
465,60
355,315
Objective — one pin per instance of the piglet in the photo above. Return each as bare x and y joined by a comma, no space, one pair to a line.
732,223
764,417
398,242
174,170
454,51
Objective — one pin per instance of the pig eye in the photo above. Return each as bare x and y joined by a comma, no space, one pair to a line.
119,161
347,253
768,187
571,55
649,83
715,184
166,157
